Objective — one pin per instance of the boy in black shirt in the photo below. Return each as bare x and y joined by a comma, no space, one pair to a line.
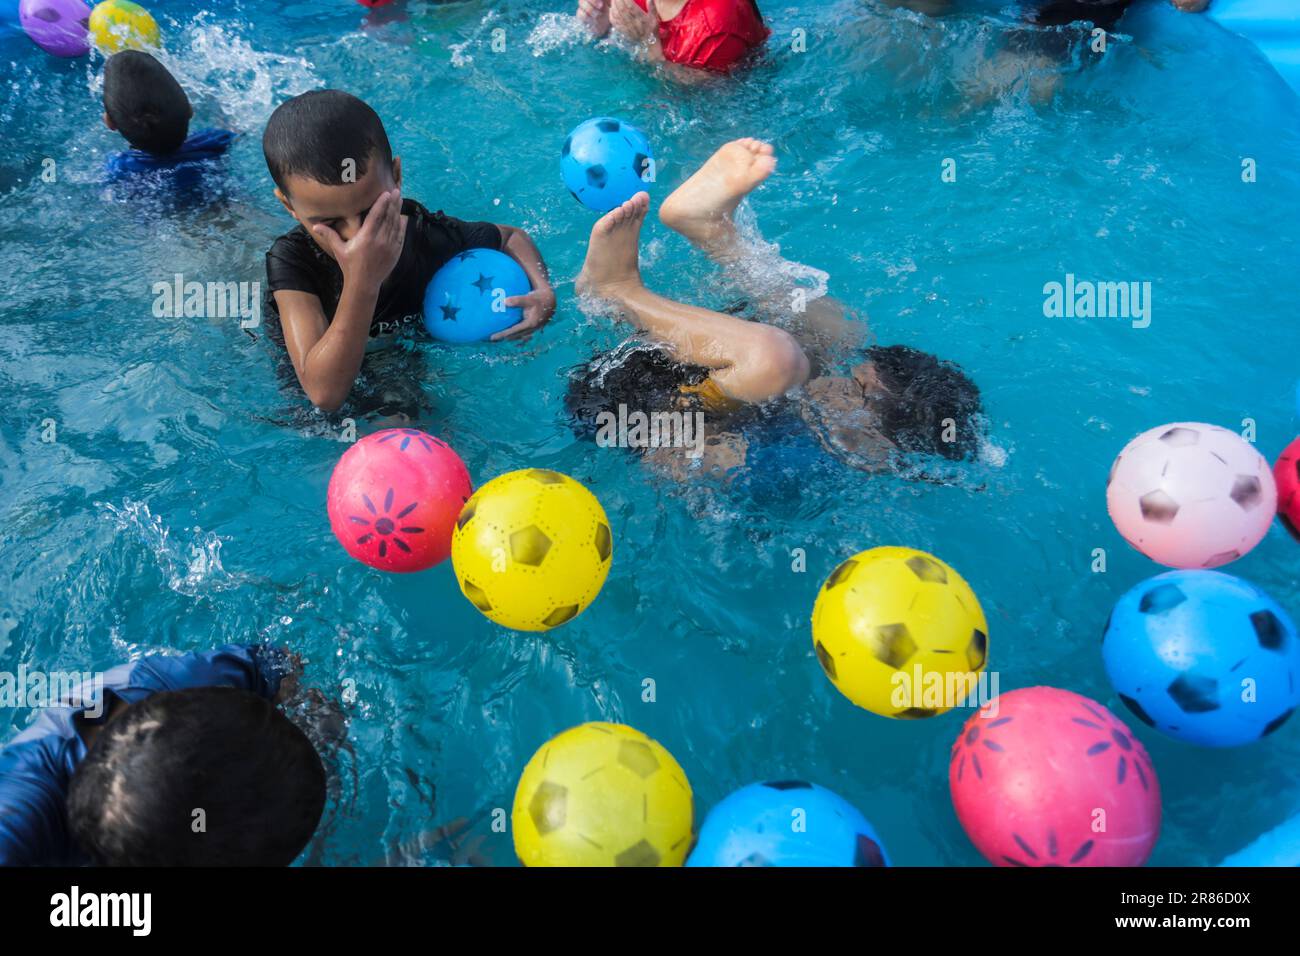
353,274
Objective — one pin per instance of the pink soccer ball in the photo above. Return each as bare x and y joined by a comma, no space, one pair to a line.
1190,495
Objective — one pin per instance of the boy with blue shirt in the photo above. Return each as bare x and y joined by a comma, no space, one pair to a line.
116,780
144,103
350,279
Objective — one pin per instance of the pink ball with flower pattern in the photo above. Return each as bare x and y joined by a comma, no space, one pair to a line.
1046,777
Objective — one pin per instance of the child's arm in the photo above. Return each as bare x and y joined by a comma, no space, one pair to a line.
538,305
327,355
1192,6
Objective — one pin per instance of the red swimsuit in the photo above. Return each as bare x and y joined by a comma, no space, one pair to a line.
711,34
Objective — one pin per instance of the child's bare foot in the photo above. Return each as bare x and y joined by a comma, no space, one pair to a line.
594,14
613,253
701,208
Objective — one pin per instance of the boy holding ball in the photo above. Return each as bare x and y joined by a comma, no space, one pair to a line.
352,275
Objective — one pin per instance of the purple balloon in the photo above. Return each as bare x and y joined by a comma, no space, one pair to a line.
57,26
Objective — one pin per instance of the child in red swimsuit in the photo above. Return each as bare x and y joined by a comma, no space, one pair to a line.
705,34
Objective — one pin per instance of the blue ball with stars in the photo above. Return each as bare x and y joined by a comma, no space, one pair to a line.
465,300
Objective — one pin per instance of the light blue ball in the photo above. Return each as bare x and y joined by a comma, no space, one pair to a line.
1204,657
605,162
786,823
463,300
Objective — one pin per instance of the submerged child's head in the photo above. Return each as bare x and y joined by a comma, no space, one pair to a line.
144,103
898,399
209,776
330,158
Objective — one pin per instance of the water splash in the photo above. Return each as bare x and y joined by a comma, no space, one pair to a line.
190,569
459,58
556,31
764,273
8,624
222,71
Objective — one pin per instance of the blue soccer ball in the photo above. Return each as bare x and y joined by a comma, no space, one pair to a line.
786,823
464,300
605,162
1204,657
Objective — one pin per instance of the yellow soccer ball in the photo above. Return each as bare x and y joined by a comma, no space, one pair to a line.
531,549
900,633
602,795
118,25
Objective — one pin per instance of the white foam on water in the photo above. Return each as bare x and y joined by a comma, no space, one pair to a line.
991,453
217,65
762,272
459,57
557,31
191,569
8,623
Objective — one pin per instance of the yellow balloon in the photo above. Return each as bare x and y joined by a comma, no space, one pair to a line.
117,25
900,633
531,549
602,795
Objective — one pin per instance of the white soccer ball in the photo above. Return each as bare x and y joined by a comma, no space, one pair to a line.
1190,495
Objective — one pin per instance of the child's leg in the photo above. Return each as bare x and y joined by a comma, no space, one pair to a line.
703,210
750,362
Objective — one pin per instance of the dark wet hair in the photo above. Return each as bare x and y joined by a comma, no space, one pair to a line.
926,392
229,752
314,134
145,102
636,374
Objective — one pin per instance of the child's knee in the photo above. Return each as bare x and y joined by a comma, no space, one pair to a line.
781,361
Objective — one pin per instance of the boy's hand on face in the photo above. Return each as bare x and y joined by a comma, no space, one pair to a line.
1192,6
370,255
538,306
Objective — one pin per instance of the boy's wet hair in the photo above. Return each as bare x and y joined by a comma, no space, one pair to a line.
923,394
314,135
145,102
926,394
635,374
259,782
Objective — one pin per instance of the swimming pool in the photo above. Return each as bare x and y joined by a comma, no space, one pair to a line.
173,509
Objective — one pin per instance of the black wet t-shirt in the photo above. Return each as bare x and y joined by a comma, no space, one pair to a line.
1103,13
296,263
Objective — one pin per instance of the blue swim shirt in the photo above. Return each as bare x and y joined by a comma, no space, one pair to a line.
36,767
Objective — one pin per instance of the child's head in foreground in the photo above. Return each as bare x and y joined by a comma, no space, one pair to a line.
330,158
210,776
144,103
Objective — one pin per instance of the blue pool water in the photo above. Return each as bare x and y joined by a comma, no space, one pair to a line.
172,511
